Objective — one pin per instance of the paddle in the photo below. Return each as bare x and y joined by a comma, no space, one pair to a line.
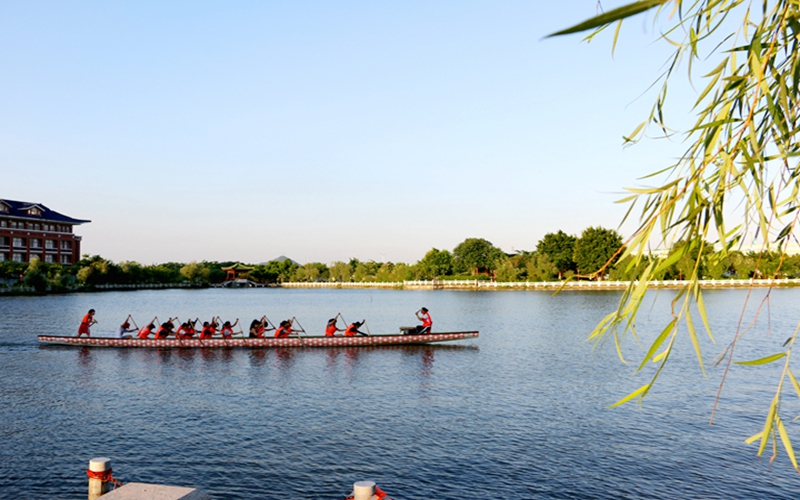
176,332
369,333
270,323
343,320
297,332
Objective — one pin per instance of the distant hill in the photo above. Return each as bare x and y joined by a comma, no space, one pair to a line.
280,259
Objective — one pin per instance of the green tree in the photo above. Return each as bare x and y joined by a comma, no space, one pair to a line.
559,248
340,271
35,277
435,263
474,255
540,268
595,248
195,272
739,170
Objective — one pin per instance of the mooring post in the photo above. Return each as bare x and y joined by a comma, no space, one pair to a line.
99,471
363,490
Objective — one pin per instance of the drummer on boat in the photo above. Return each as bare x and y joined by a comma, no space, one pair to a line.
86,323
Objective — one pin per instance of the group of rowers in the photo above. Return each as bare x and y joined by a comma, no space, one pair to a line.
259,328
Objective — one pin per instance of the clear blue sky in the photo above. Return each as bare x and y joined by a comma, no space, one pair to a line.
320,130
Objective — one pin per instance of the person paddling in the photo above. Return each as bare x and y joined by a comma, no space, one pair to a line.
227,328
145,331
258,327
186,330
331,328
165,329
284,329
208,331
86,323
427,322
352,329
125,329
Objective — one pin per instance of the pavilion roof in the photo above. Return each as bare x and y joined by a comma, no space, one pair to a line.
238,267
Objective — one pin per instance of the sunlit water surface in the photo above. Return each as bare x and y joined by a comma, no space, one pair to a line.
518,413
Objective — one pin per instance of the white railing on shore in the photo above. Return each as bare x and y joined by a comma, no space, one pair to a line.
461,284
136,286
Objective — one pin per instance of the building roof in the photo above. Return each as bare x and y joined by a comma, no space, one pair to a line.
26,210
238,267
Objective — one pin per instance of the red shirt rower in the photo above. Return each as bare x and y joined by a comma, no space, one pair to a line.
352,329
331,329
145,331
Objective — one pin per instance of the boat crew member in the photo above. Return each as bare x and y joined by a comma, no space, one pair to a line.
165,329
227,328
331,329
208,331
352,329
146,330
259,327
427,322
284,329
186,330
124,330
86,322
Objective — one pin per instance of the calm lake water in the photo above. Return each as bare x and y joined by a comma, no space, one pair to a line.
518,413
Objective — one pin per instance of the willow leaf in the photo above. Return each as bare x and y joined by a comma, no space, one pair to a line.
794,382
787,443
609,17
641,391
768,425
762,361
657,343
695,342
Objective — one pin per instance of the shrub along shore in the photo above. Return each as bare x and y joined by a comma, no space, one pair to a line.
558,256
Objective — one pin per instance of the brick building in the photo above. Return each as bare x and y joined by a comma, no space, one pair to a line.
29,230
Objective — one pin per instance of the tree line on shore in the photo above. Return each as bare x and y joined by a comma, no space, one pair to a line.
557,256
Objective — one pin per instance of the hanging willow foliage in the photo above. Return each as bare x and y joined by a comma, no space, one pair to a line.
742,159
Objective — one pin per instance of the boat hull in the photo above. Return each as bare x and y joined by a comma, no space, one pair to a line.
321,341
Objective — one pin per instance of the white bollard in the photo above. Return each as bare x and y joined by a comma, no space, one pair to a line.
363,490
99,468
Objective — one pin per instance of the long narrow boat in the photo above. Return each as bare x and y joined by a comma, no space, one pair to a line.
256,343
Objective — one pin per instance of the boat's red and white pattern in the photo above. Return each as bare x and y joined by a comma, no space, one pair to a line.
360,341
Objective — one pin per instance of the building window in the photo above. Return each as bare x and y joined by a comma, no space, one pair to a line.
50,244
19,242
18,257
66,245
34,211
3,223
2,257
3,241
49,259
36,243
3,208
12,224
65,259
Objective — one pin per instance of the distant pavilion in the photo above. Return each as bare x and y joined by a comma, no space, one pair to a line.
237,271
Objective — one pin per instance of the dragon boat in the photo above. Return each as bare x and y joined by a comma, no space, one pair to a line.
258,343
